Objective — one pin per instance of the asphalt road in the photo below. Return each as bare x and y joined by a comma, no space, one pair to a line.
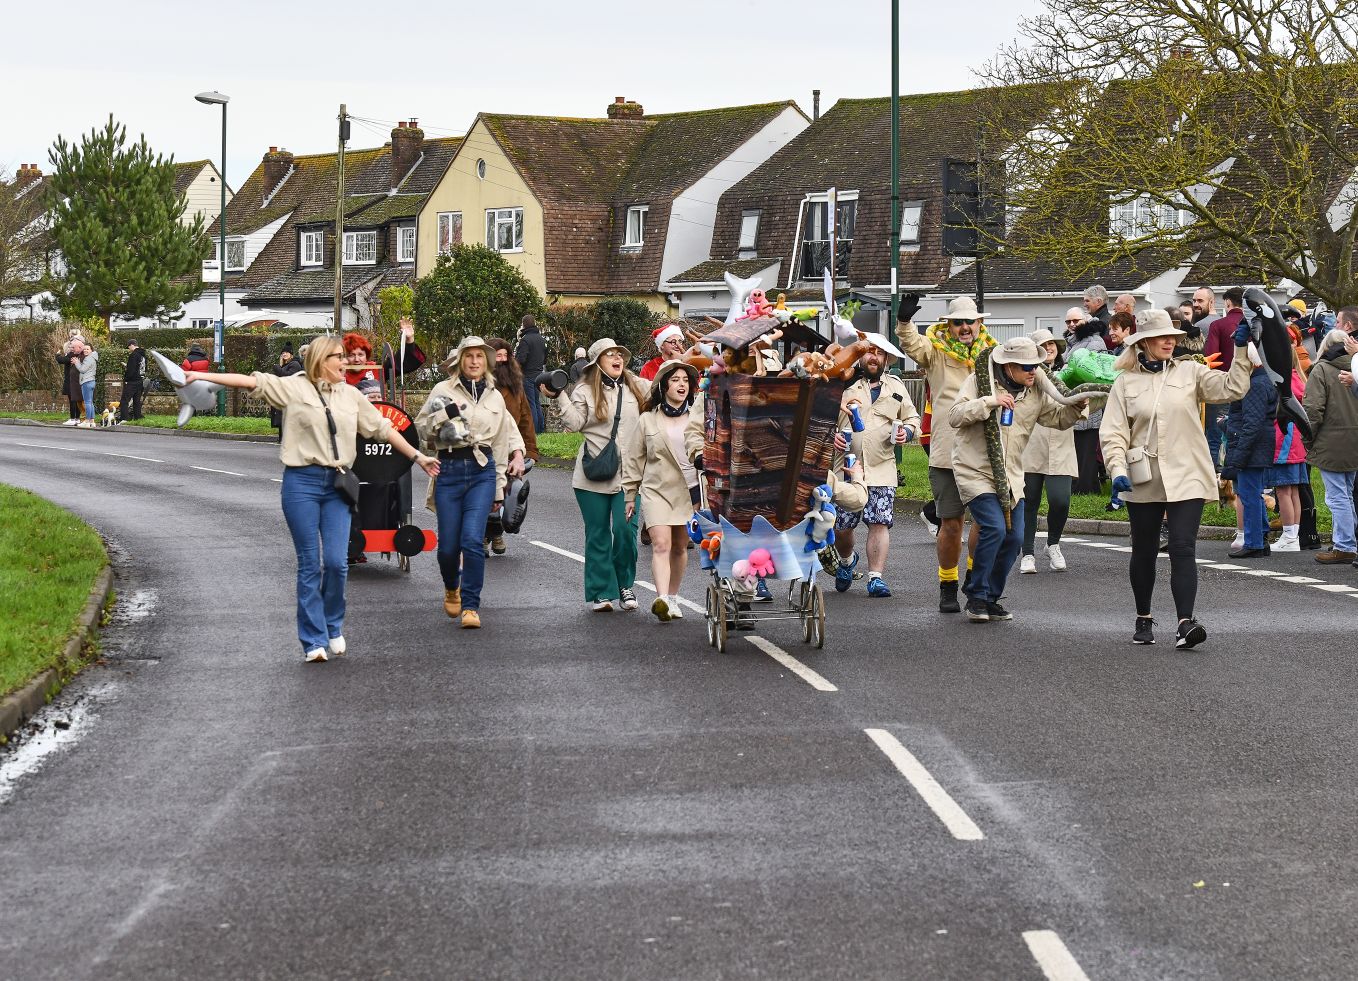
566,794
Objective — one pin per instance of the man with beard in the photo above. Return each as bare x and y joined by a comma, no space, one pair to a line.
889,420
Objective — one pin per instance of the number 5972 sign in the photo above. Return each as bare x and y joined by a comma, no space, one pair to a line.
378,462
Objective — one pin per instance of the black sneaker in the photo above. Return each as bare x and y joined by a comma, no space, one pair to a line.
1143,634
1250,553
1191,634
629,599
978,611
998,612
947,598
1310,543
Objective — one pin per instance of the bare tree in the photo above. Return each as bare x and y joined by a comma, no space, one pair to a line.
1220,132
25,239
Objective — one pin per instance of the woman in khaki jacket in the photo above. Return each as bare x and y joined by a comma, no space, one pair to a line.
654,463
1048,461
607,394
312,448
478,443
1152,414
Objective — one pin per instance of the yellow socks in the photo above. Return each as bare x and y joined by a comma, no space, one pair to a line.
947,575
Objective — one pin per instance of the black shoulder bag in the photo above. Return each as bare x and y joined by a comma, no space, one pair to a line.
346,481
605,465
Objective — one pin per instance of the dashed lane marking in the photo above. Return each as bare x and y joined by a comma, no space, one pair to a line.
1300,580
229,473
49,446
792,664
276,480
129,456
1056,961
577,557
948,811
1261,572
1332,587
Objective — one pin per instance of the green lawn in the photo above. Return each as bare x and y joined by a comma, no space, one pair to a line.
561,445
251,425
48,562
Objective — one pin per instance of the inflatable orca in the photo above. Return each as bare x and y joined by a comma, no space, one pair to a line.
1269,330
200,396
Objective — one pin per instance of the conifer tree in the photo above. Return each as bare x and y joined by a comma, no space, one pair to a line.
116,223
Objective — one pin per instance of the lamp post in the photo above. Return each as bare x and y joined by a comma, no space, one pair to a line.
219,340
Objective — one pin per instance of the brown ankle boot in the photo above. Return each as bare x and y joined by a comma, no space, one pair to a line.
470,619
452,602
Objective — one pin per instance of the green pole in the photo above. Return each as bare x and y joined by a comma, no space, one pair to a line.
221,274
895,180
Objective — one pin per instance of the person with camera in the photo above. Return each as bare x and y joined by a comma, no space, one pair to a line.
322,420
656,471
465,419
605,407
510,384
1156,452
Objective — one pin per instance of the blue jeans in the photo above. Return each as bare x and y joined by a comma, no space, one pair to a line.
318,519
463,494
1339,499
87,393
1215,433
535,406
997,549
1249,487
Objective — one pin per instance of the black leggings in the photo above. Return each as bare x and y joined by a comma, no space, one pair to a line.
1087,462
1058,507
1183,518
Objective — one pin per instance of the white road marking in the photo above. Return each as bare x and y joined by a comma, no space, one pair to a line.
1099,545
1205,561
640,582
1078,541
1300,580
1122,548
1232,568
1053,957
276,480
1260,572
129,456
560,551
792,664
49,446
1331,587
953,817
229,473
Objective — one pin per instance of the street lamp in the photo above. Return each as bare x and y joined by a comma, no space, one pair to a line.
219,342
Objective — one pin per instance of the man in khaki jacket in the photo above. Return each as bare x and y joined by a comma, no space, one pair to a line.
889,420
947,352
1015,395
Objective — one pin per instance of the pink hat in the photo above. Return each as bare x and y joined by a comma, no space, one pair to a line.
670,332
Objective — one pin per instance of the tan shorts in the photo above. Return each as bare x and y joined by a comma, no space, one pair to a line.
944,486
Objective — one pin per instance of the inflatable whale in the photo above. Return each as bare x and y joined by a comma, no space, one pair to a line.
199,396
1269,330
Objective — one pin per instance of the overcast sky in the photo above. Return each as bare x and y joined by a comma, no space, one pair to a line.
288,66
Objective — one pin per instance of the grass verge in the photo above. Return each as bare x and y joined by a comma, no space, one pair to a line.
249,425
49,560
561,445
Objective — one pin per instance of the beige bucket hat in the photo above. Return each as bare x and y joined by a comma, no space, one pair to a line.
963,308
1017,350
1152,323
1043,336
604,345
662,377
455,355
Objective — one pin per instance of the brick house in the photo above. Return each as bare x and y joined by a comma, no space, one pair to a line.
590,208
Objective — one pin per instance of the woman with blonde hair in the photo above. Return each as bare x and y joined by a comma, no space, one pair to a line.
657,471
321,425
478,443
1156,452
604,407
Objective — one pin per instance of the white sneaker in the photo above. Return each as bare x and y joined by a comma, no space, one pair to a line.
603,606
87,424
316,654
1238,541
676,612
338,646
1055,557
1286,544
71,422
629,599
1028,566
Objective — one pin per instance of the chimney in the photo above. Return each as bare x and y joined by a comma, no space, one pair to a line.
27,173
277,163
407,142
815,104
623,108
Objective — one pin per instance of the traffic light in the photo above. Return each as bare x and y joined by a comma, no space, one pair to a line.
973,207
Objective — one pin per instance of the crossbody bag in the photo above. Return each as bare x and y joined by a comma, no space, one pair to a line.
604,465
346,481
1139,457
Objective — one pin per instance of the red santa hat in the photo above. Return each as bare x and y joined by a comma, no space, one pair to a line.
670,332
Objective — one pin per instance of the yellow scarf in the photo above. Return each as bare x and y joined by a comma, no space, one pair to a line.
965,354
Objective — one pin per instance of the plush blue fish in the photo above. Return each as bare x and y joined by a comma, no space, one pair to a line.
1269,330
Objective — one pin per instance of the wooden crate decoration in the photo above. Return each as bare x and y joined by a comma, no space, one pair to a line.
769,443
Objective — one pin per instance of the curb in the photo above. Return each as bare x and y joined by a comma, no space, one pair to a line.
1087,526
232,437
17,708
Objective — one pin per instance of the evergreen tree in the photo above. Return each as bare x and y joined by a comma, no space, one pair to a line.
472,290
116,224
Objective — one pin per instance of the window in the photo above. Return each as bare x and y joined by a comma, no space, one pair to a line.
450,229
313,248
235,254
1137,217
749,234
202,323
911,213
360,248
504,229
405,243
636,227
481,169
815,255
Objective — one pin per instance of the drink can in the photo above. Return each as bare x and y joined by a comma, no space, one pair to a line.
1006,416
848,436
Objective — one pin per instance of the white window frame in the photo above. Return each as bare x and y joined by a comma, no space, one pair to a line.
351,248
446,226
1136,216
841,198
628,242
315,240
405,243
749,233
231,246
496,218
201,323
910,234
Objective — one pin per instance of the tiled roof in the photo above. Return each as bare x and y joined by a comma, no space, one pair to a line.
586,171
311,285
712,270
184,174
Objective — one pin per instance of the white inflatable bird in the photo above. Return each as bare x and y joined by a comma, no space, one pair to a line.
740,294
199,396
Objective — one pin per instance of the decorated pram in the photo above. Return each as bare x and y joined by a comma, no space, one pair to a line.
768,444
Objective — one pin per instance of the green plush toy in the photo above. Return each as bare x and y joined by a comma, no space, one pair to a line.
1088,368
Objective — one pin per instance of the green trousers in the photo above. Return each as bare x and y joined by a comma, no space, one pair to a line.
610,545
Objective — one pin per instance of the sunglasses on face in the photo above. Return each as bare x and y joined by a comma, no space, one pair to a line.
1026,367
960,323
1077,320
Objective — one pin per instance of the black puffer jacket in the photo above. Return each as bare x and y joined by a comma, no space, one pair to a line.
1250,424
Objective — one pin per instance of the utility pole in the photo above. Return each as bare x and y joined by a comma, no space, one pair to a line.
895,168
982,215
339,220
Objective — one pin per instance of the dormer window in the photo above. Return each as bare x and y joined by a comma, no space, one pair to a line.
405,243
634,235
311,250
360,248
235,254
911,214
749,234
1138,216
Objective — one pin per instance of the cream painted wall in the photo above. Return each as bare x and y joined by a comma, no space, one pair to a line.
204,195
655,302
461,190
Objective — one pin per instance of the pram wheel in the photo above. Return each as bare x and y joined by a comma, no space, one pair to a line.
815,618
